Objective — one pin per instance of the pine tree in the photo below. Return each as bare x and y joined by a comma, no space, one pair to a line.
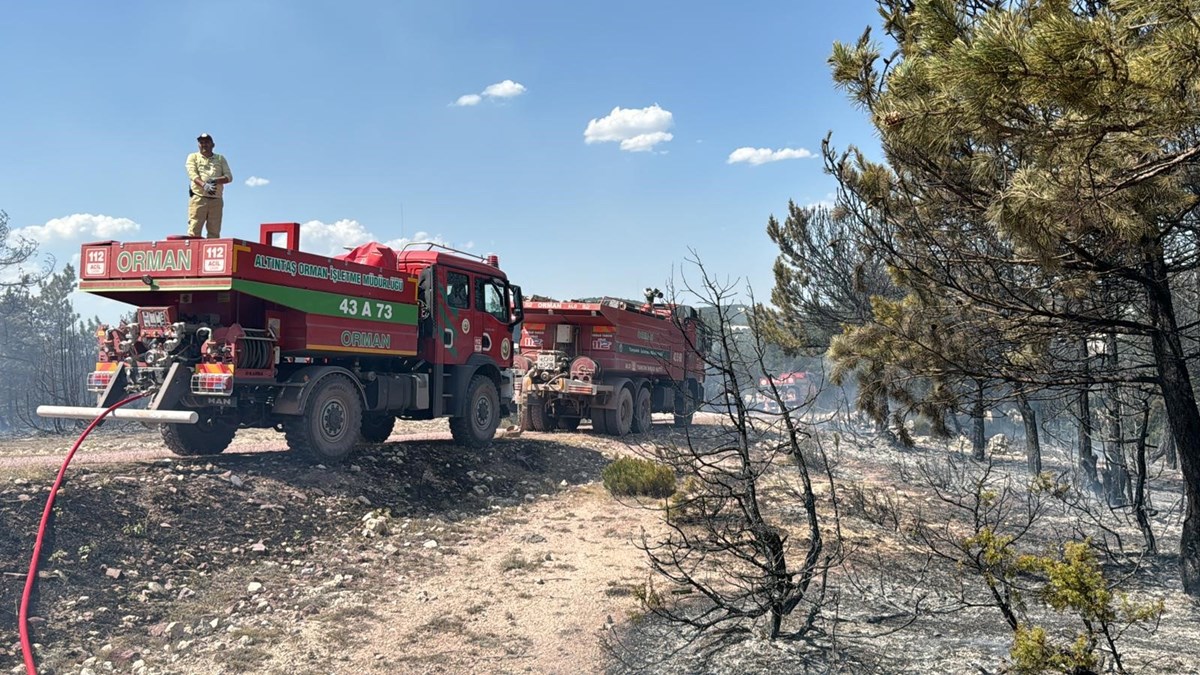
1052,142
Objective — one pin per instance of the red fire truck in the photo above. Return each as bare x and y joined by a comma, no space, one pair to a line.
611,361
236,334
791,389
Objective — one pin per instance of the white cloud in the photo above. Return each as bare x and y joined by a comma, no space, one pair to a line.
829,202
255,181
505,89
86,305
334,239
78,227
645,142
756,156
636,129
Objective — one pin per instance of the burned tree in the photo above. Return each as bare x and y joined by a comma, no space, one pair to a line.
728,540
22,343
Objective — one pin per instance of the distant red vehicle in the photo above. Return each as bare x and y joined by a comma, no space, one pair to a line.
793,389
610,361
232,334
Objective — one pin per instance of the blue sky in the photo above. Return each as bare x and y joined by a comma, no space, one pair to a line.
589,146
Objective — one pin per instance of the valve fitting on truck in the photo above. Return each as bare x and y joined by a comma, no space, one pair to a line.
549,364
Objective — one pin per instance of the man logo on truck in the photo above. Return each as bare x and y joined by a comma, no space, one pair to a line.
153,318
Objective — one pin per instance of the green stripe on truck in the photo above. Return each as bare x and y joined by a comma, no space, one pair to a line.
331,304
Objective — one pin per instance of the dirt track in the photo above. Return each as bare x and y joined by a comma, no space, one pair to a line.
140,446
531,562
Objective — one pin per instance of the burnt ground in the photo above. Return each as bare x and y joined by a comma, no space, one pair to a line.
129,540
892,607
420,556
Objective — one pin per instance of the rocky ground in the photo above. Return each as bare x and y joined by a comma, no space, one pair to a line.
419,556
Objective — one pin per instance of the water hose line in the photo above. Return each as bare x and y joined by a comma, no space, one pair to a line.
23,619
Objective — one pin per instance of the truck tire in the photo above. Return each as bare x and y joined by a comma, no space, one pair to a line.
376,427
532,416
478,426
620,419
568,423
539,417
685,404
599,423
331,424
210,436
641,411
523,417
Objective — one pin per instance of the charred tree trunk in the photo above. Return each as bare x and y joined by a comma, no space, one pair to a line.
958,429
978,446
1168,448
1140,508
885,419
1115,475
1182,414
1087,459
773,551
1033,445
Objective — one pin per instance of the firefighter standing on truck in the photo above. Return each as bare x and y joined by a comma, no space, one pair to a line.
208,173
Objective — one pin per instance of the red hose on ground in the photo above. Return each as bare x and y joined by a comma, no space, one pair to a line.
23,619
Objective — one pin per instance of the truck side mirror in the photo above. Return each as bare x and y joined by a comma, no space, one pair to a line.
518,306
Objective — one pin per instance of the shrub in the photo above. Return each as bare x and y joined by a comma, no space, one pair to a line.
686,505
631,476
1033,653
649,602
648,597
1074,582
876,506
515,561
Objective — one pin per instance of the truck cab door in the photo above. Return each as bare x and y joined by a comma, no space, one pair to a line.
453,319
493,306
471,314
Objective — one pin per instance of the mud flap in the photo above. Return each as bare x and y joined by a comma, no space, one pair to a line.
115,391
177,383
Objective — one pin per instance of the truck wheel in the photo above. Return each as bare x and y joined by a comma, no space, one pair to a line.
539,417
478,426
523,417
599,421
685,404
332,421
568,423
620,419
641,412
532,416
376,427
210,436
